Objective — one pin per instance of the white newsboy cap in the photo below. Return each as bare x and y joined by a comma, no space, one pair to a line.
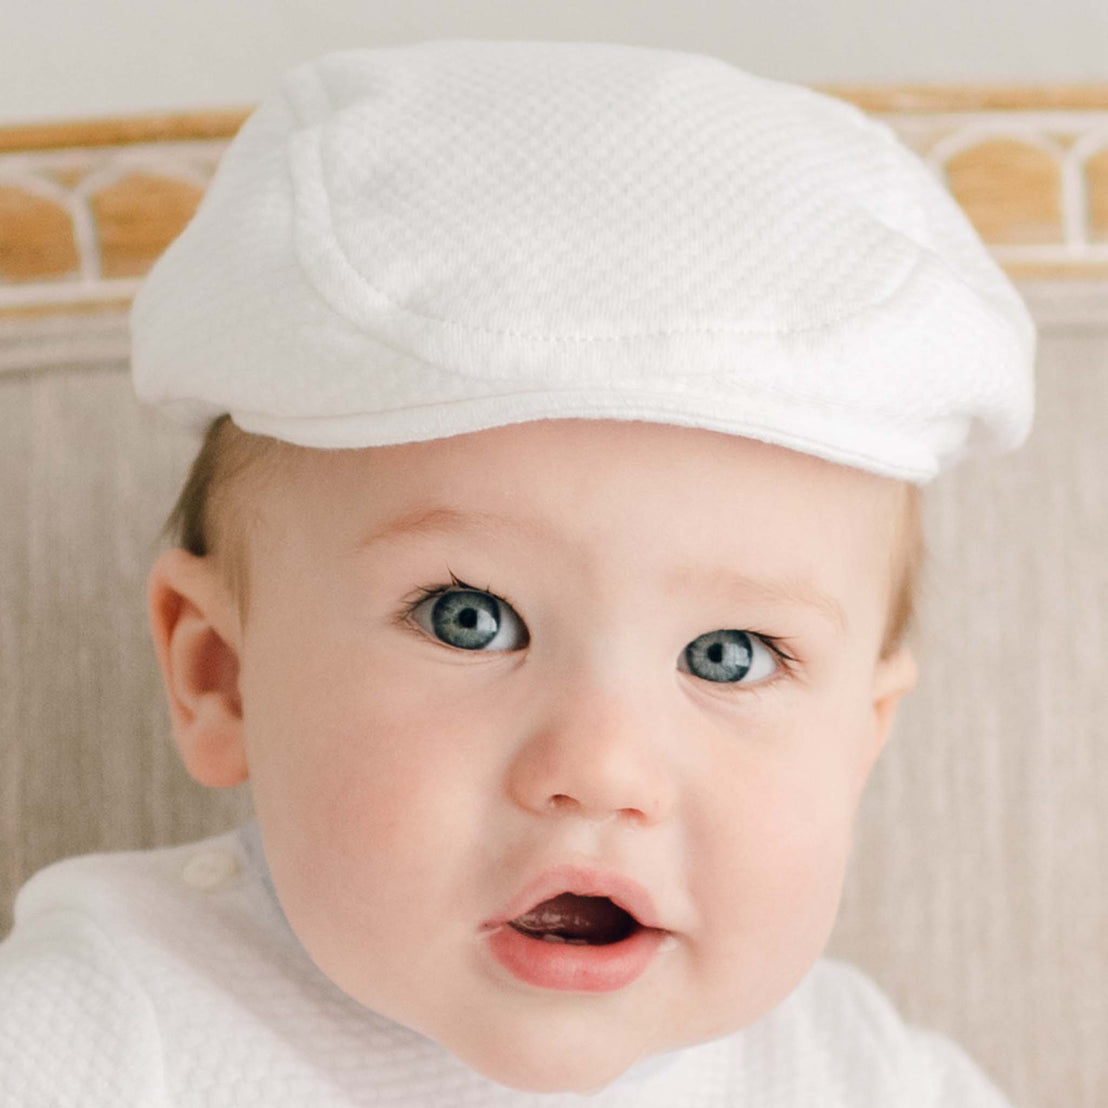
414,242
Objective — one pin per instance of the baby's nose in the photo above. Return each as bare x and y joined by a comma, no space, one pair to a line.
595,756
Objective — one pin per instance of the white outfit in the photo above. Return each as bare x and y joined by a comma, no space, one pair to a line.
170,977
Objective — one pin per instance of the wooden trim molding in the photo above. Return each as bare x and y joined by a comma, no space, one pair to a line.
177,126
86,206
883,99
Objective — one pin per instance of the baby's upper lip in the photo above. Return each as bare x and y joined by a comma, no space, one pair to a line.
582,880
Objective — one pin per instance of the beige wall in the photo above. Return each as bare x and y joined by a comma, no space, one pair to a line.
66,58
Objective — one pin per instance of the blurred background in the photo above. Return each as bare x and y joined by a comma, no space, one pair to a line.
65,58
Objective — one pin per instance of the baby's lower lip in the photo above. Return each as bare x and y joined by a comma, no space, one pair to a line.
567,966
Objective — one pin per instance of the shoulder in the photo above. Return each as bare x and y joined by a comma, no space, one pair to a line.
69,996
142,899
860,1051
75,972
211,986
108,884
170,905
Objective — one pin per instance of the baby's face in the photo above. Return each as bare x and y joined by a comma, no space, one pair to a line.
484,671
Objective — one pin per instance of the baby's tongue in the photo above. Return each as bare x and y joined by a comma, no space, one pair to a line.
594,918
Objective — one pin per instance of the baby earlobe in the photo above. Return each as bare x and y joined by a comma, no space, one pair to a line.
894,676
199,666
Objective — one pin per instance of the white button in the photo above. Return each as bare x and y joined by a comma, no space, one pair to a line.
210,870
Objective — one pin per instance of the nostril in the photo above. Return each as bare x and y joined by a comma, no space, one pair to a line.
560,802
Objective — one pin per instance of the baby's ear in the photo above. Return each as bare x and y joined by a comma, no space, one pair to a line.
195,626
893,676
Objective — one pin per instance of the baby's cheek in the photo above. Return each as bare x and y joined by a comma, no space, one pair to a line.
769,891
382,799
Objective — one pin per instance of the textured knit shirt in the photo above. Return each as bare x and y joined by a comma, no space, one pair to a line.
171,977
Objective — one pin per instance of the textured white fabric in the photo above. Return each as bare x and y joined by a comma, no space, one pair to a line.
170,977
414,242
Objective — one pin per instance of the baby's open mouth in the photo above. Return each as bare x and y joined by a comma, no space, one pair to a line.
595,939
578,920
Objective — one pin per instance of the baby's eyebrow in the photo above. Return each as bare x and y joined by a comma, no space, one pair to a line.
791,591
449,521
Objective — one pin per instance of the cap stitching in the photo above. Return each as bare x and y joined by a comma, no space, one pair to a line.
355,274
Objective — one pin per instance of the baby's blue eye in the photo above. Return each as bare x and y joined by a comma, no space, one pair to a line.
471,620
728,657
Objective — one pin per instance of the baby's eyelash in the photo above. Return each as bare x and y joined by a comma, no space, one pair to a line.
773,643
424,592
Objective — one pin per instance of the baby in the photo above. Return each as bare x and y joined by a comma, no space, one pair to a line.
545,570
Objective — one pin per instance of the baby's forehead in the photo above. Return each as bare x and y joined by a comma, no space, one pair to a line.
555,483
